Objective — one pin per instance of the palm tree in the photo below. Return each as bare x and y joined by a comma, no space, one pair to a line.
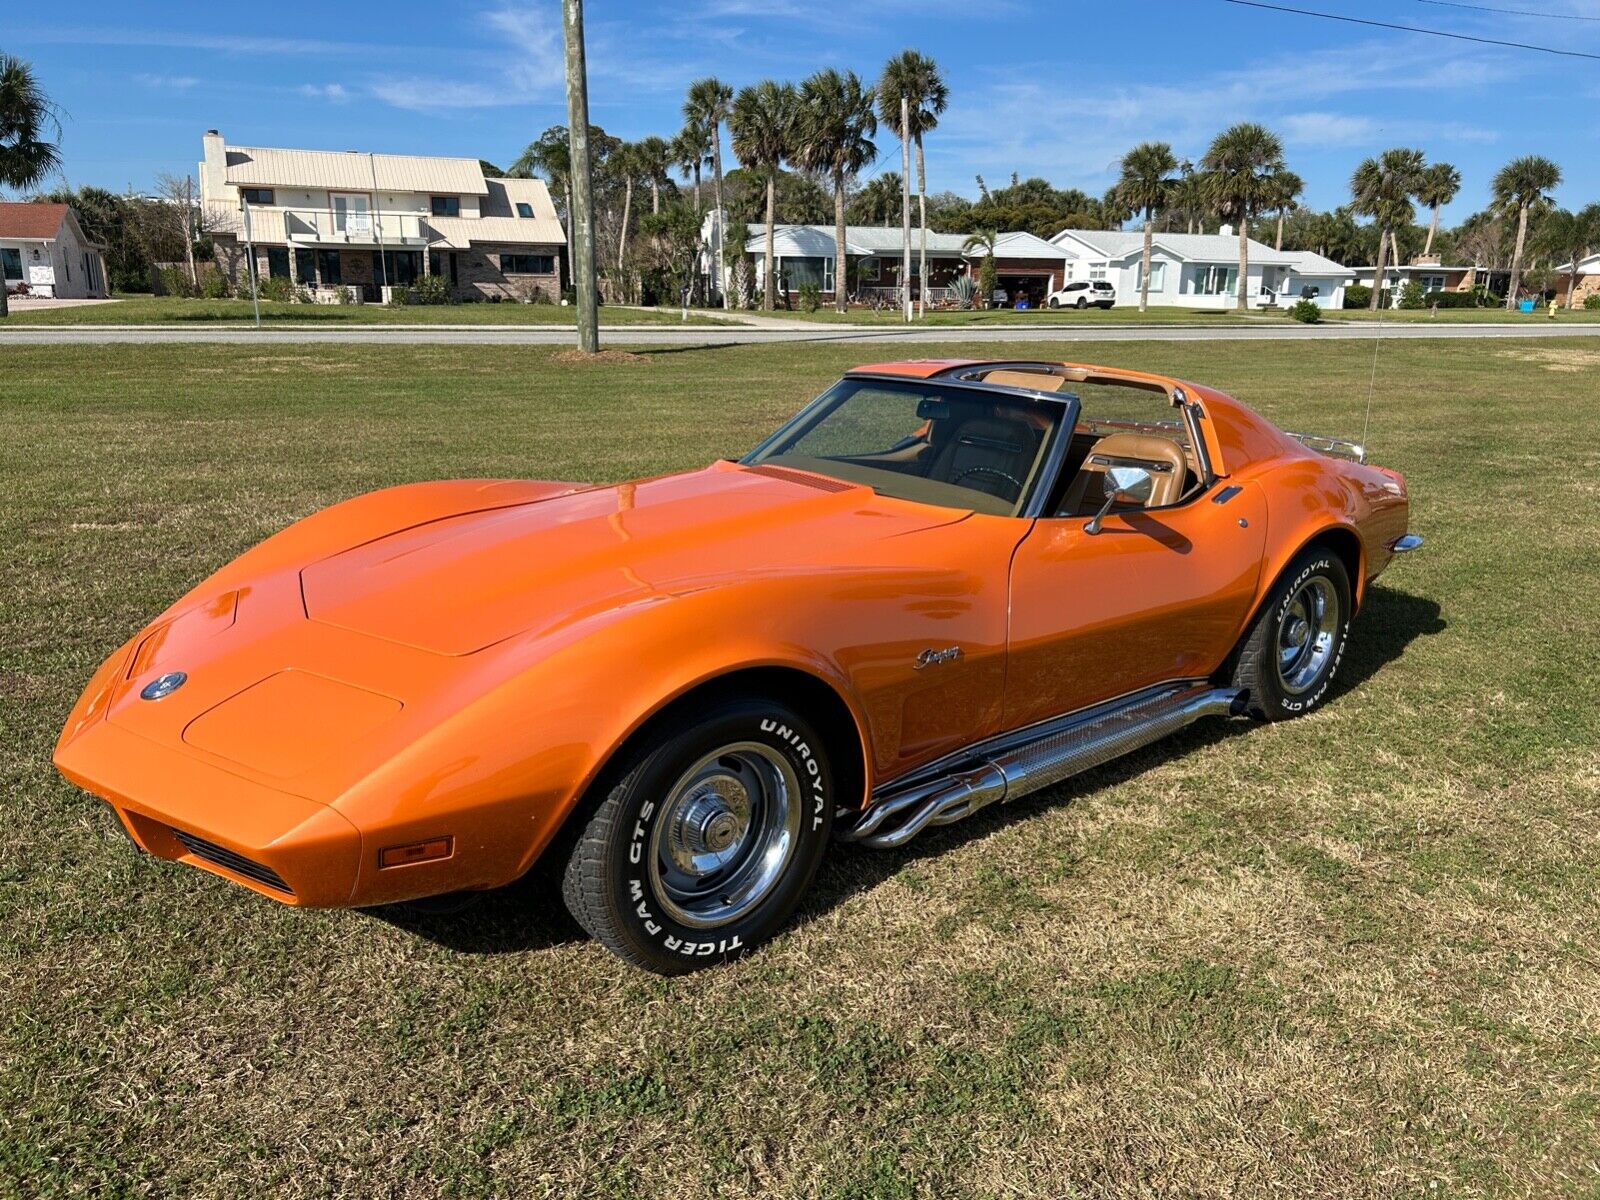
691,151
833,130
1522,184
1439,186
709,106
915,78
877,201
580,177
1382,189
1286,189
626,163
1145,185
655,160
551,156
1239,167
761,127
1571,236
986,240
26,158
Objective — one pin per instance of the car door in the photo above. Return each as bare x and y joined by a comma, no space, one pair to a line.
1157,594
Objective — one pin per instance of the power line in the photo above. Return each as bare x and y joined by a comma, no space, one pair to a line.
1509,12
1460,37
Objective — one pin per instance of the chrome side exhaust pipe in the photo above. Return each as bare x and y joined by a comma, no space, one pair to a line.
1039,757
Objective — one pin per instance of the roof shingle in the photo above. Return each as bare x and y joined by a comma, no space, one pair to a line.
40,222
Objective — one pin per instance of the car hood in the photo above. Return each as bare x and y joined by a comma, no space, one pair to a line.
462,583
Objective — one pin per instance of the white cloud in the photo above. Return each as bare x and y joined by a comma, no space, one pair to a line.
1326,129
333,93
166,83
536,40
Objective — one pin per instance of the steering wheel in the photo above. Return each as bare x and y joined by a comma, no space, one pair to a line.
996,473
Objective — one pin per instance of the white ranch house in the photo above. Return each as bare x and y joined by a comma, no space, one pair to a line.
44,251
1201,270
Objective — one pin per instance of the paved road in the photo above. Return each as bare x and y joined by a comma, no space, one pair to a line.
713,335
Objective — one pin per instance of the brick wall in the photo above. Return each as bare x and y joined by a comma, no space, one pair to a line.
480,276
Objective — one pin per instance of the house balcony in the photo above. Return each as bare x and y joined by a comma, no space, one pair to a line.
324,228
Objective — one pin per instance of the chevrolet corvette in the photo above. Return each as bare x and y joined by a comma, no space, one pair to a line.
941,585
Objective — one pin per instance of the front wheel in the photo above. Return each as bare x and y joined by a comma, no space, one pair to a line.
707,838
1055,302
1289,658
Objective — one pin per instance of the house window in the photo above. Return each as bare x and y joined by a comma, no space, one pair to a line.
1158,276
1214,281
524,209
11,261
278,262
305,265
1097,272
1432,283
328,268
870,270
528,264
257,195
396,268
446,206
802,271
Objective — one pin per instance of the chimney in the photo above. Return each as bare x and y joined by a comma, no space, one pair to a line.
1225,231
213,167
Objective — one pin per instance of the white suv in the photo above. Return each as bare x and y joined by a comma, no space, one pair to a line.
1081,293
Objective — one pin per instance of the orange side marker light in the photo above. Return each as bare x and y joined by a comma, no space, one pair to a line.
416,852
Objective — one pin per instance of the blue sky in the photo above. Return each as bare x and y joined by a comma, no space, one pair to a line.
1058,88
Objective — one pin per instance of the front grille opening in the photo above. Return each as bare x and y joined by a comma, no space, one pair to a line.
228,860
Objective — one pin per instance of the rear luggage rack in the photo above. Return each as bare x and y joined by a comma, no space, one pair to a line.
238,864
1332,447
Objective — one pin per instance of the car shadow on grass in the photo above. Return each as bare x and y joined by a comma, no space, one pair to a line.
529,914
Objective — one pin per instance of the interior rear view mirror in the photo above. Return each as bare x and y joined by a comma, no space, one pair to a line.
1130,485
933,408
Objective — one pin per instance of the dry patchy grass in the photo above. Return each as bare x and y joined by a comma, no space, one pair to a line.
1353,955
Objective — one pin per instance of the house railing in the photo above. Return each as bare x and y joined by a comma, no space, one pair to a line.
345,227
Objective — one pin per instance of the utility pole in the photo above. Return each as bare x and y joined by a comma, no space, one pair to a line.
250,249
582,214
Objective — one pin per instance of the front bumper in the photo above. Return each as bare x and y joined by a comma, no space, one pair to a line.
174,806
1406,543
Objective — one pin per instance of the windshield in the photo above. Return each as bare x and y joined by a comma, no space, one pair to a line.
951,446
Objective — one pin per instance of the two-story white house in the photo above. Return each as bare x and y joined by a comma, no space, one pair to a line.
1201,270
349,224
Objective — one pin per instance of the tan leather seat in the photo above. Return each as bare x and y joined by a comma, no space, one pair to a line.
1162,457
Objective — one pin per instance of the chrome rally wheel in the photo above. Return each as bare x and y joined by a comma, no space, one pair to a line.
1307,632
697,843
727,831
1287,660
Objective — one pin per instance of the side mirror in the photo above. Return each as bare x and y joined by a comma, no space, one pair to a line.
1131,485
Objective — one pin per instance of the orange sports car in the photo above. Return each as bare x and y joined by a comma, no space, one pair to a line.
942,584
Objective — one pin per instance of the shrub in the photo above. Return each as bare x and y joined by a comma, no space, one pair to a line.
175,282
1357,295
964,291
1411,296
1592,302
810,297
1452,300
429,289
214,285
279,288
1306,312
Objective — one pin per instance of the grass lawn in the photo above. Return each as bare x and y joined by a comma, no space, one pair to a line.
1354,955
168,310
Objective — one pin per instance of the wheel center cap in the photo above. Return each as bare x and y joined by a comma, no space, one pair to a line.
719,831
1295,635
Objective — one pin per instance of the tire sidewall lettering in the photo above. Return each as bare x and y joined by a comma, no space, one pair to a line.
639,900
1306,702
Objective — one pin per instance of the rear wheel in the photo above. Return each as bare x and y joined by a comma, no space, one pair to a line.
1082,302
1289,658
708,835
